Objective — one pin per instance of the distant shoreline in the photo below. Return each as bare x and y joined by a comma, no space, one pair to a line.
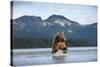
49,49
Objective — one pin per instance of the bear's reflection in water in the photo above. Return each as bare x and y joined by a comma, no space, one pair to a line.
58,59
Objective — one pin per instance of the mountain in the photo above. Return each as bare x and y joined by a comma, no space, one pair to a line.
61,21
89,32
36,28
33,25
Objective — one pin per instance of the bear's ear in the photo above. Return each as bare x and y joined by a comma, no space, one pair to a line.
57,33
62,32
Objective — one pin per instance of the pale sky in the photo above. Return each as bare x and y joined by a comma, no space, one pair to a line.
84,14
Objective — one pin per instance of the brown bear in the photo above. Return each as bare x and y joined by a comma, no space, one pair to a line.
59,43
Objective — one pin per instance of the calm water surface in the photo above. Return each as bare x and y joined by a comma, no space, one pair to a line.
23,57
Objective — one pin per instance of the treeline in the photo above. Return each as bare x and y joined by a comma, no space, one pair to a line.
18,43
31,43
81,43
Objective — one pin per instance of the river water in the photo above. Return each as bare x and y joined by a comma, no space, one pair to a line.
24,57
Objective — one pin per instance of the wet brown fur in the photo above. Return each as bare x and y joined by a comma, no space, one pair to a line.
59,42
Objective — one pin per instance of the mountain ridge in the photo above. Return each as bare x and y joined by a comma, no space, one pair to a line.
34,27
52,23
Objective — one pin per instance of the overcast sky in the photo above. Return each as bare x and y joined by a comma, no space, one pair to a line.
84,14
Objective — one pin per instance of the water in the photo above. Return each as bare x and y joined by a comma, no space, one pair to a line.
23,57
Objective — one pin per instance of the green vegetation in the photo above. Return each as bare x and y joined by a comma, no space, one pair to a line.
31,43
81,43
47,43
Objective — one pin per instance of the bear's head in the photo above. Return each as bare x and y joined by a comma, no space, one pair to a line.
59,37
